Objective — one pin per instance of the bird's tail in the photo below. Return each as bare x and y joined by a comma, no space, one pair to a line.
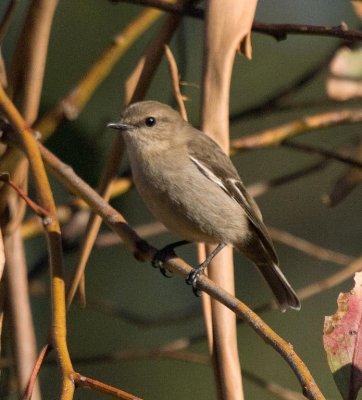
283,292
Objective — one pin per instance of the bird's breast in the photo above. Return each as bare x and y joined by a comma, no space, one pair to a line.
185,201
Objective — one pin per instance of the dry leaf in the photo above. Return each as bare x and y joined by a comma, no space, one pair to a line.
346,80
342,341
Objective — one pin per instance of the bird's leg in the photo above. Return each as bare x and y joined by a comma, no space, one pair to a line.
164,254
194,275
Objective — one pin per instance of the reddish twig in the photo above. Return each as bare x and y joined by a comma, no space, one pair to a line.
34,375
86,382
37,209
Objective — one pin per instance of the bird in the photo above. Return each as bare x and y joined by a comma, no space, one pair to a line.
192,187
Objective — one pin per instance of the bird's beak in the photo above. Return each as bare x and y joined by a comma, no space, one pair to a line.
121,126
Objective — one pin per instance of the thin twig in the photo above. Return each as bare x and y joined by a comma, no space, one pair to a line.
37,209
278,31
308,247
273,102
307,148
260,188
70,213
35,372
173,351
331,281
86,382
281,31
275,136
176,351
175,80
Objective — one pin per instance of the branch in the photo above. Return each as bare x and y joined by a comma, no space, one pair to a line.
175,81
28,64
22,331
309,248
40,211
322,152
144,252
278,31
52,230
275,136
86,382
274,101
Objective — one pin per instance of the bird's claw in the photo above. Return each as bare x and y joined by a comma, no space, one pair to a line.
160,258
192,280
165,272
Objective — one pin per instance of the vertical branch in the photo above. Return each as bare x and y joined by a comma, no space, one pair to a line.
226,26
23,335
175,82
26,80
2,265
52,230
27,73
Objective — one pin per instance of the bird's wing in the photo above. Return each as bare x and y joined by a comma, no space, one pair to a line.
217,167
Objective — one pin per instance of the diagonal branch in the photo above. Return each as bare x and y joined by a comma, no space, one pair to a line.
145,252
52,230
275,136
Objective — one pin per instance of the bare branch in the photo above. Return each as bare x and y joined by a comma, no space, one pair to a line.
22,328
278,31
275,136
86,382
28,65
322,152
175,80
143,251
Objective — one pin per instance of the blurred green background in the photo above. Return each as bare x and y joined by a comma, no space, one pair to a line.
82,29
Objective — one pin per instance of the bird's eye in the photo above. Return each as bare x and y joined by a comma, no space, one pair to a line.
150,121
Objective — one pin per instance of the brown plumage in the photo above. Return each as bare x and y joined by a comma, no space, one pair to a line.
193,188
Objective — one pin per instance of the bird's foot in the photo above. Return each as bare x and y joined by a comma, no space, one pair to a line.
193,278
161,257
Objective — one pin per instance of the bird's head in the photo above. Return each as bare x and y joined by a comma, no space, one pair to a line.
149,122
